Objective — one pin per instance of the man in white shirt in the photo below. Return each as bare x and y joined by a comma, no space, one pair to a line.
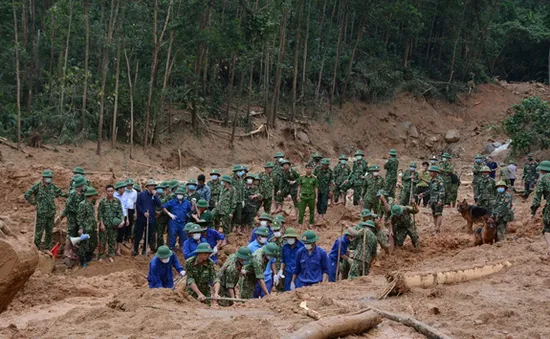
512,172
129,199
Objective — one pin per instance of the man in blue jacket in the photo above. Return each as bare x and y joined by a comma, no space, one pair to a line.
195,238
179,211
341,244
146,203
311,263
214,238
160,269
288,256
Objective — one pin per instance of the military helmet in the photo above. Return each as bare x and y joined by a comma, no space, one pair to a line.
272,249
164,252
202,203
262,231
396,210
79,170
203,247
485,169
47,173
544,166
434,169
244,253
90,191
309,237
392,152
343,157
325,161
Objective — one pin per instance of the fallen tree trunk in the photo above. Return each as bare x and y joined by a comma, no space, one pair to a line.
420,327
403,282
338,326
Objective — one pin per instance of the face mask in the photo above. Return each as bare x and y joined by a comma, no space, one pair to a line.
277,234
249,181
412,169
263,223
343,162
478,160
48,180
432,161
375,174
160,191
291,241
192,187
358,157
180,196
196,236
215,177
500,189
308,246
444,159
262,240
165,260
281,160
128,189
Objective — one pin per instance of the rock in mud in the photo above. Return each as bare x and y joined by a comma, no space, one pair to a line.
452,136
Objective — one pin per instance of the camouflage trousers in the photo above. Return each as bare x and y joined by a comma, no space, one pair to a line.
447,183
266,203
339,189
390,187
293,192
501,229
72,227
226,224
356,268
107,238
401,233
162,227
357,194
44,224
86,248
405,196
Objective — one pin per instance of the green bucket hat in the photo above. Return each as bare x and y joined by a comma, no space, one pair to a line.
511,162
129,181
215,172
164,252
79,180
203,248
227,179
285,161
47,173
120,184
279,155
275,226
202,203
164,184
446,155
544,166
485,169
325,161
250,175
262,231
116,221
502,164
181,190
137,187
501,183
309,237
265,216
173,184
343,157
188,226
90,191
316,155
191,182
269,164
369,223
280,218
79,170
365,213
237,168
291,233
412,164
374,168
396,210
434,169
244,253
479,156
272,249
392,152
359,152
150,182
194,228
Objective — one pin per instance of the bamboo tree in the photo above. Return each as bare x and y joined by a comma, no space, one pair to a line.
296,59
115,110
86,70
272,116
339,50
350,64
64,71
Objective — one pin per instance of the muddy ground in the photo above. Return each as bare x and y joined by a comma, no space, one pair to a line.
112,299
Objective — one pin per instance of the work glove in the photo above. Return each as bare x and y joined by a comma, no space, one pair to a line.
182,273
280,274
214,251
173,217
243,204
292,286
275,280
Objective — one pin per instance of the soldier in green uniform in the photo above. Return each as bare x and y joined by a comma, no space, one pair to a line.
109,215
504,174
252,201
325,182
502,209
476,171
87,224
391,167
308,191
409,180
238,184
402,224
315,160
486,189
161,218
76,195
436,190
277,169
357,176
267,185
192,195
203,213
226,204
288,185
77,172
365,249
543,192
215,188
530,176
381,233
231,272
201,274
374,183
42,195
447,169
254,270
341,173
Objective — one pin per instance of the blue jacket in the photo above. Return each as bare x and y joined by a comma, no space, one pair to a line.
288,257
334,252
147,202
253,236
310,268
181,210
189,246
212,237
254,246
160,274
204,192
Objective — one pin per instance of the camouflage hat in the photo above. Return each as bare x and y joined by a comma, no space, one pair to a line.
343,157
265,216
272,249
150,182
325,161
544,166
365,213
194,228
374,168
392,152
501,183
434,169
485,169
359,152
309,237
79,180
90,191
203,247
202,203
446,155
269,165
47,173
181,190
227,179
215,172
244,253
237,168
78,170
120,184
290,233
396,210
412,164
262,231
164,252
279,155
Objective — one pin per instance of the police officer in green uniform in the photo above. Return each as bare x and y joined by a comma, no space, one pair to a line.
308,185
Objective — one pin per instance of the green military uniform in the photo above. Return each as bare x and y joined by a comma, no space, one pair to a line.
308,184
529,177
543,192
238,184
162,219
325,181
409,181
215,189
229,275
486,190
87,222
107,211
476,171
192,194
422,187
447,170
286,187
357,175
276,172
341,173
42,196
203,275
251,206
71,205
78,172
373,185
504,174
391,167
363,253
403,224
254,272
267,185
226,205
502,210
436,191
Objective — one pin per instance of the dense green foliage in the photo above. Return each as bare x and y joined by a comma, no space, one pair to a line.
528,127
292,57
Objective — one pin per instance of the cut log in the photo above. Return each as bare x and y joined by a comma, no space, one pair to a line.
403,282
7,143
420,327
309,312
338,326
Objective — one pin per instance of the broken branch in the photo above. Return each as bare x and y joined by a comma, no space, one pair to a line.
420,327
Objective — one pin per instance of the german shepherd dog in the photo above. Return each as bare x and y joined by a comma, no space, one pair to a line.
488,233
472,214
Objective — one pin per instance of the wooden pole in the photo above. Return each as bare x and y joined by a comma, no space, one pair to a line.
339,252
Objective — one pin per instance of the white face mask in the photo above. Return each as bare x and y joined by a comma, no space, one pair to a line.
375,174
281,160
180,196
165,260
249,181
214,177
263,223
291,241
196,236
343,161
358,157
308,246
412,169
262,240
48,180
277,234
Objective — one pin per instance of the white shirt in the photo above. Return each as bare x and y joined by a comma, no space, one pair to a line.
129,199
120,198
512,171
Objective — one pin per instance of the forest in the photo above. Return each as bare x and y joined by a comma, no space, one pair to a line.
134,71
